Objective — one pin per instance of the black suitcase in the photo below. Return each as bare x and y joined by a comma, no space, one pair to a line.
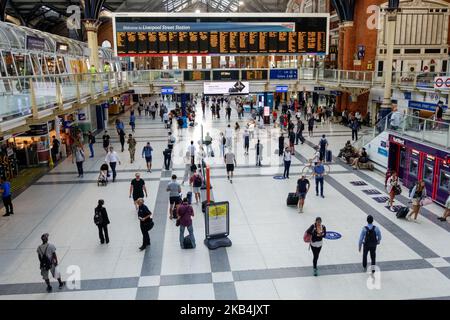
402,212
328,156
292,199
189,197
187,243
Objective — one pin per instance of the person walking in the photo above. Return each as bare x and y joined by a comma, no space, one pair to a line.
292,140
299,132
171,141
174,189
223,142
354,125
228,111
131,146
369,239
106,139
48,261
317,232
187,167
196,182
147,154
228,136
319,172
201,155
287,162
132,122
418,193
91,141
5,190
323,144
393,188
137,189
55,149
145,217
259,152
208,144
122,139
79,158
246,138
203,107
185,212
280,145
101,220
119,125
302,189
167,153
112,158
230,162
191,150
311,125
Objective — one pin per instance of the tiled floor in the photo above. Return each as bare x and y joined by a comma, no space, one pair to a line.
268,258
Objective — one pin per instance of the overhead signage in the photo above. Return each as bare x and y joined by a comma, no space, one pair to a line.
282,89
167,90
442,82
336,93
319,88
179,34
217,220
427,106
283,74
226,87
62,47
35,43
205,27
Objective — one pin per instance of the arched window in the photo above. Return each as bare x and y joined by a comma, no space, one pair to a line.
106,44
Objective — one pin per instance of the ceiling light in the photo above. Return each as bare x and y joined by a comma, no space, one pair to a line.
197,11
241,3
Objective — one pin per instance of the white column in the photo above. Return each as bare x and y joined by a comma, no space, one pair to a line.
57,128
391,18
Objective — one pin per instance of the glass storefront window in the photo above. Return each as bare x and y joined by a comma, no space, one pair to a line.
9,62
427,172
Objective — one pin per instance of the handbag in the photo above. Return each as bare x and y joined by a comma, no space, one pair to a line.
307,237
426,201
397,190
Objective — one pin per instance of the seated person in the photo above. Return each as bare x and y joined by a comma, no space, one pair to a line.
348,152
363,158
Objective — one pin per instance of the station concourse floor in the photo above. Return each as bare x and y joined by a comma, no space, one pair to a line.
268,258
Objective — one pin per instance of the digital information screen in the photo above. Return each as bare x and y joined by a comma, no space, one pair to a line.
254,74
196,75
240,35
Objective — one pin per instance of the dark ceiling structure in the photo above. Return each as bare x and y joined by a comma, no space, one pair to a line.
47,14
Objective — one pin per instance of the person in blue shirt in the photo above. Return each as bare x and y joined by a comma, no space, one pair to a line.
132,122
5,190
369,240
119,125
319,173
147,154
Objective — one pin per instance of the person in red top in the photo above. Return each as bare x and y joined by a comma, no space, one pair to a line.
185,213
196,182
274,116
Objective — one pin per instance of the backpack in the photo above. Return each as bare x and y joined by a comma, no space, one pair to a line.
92,139
323,143
371,237
197,181
45,262
98,219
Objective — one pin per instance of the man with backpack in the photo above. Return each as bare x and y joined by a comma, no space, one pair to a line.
170,141
299,132
101,220
369,239
185,212
48,262
323,144
196,181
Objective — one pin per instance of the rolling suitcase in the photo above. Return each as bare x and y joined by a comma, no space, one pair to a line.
292,199
402,212
328,156
187,243
189,197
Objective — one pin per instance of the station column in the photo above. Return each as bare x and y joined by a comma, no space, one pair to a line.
91,30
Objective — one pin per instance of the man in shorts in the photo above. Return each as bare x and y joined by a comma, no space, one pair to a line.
230,162
196,181
48,262
174,189
147,153
302,190
137,189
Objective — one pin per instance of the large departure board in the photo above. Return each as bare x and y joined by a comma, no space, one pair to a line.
239,34
254,74
196,75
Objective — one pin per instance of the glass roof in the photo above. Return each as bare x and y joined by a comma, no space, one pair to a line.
218,5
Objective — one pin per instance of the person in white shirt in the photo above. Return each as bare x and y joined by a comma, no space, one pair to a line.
191,150
287,162
187,167
251,129
316,156
208,143
395,120
201,155
229,136
112,158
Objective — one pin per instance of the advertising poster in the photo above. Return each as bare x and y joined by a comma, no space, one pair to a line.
226,87
217,220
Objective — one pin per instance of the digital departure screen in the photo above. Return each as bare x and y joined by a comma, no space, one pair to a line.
224,35
196,75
